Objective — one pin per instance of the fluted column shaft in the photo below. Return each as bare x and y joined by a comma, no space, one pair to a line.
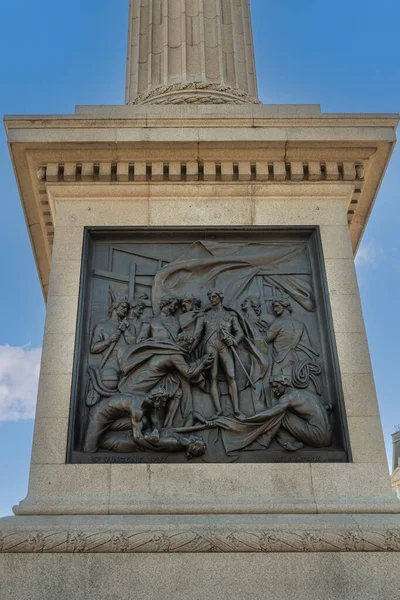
189,51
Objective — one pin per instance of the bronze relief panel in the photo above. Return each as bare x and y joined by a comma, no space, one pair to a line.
206,346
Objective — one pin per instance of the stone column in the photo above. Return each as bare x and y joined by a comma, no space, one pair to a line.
190,52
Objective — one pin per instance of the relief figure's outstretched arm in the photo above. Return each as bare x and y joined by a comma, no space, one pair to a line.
193,371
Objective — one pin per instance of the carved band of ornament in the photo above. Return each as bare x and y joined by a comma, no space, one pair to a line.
194,540
209,171
195,92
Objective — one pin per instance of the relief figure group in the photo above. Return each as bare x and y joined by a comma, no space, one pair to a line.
186,377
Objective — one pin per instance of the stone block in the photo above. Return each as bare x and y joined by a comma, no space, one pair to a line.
96,212
341,275
105,171
87,171
219,211
54,396
123,171
347,314
192,170
79,489
349,171
296,171
157,171
244,170
353,353
336,241
58,353
69,172
61,314
140,171
67,243
232,481
262,171
279,171
264,576
296,211
208,488
360,395
64,278
52,172
314,171
209,171
332,171
50,441
175,171
227,171
343,484
366,439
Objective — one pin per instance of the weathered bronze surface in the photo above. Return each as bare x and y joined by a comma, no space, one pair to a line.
213,346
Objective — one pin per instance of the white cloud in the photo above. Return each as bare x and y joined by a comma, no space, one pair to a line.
369,254
19,377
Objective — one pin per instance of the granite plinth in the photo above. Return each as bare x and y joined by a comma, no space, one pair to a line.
319,557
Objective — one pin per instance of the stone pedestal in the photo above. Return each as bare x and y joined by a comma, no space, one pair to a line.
293,530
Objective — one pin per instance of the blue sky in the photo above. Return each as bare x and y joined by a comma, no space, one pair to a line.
343,55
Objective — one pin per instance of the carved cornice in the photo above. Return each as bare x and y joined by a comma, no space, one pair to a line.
254,144
195,92
209,171
197,171
195,539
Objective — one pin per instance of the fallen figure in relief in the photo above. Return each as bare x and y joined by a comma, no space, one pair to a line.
110,428
299,414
